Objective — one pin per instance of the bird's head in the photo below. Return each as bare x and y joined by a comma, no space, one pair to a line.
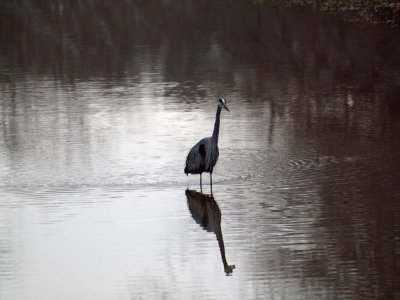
222,103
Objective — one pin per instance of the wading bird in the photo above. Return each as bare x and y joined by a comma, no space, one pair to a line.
204,155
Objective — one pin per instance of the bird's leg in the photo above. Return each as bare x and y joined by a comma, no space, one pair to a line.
211,182
201,186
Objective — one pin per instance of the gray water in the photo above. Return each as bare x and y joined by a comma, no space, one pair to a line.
100,104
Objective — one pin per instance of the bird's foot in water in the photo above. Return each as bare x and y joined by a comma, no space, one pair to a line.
229,269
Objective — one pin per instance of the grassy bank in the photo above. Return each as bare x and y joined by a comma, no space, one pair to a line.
363,11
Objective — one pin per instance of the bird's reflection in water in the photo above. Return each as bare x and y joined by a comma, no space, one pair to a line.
206,213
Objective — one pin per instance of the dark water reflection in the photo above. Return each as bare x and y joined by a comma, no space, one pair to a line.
99,104
206,213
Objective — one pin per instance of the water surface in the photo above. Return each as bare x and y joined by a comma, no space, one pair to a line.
100,105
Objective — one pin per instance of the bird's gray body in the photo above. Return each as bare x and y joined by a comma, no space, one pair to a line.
204,155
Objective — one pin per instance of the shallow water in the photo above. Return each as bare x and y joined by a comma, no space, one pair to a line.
100,105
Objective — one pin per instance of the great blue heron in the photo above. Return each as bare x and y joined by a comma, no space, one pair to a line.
204,155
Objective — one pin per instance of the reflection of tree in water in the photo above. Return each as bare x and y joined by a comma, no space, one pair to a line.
365,228
355,235
75,35
195,45
206,213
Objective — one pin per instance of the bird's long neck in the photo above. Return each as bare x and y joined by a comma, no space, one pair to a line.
216,125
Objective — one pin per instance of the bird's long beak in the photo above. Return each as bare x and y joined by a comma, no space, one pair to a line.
226,107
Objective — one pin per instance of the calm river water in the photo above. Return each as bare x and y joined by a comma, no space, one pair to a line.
100,103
